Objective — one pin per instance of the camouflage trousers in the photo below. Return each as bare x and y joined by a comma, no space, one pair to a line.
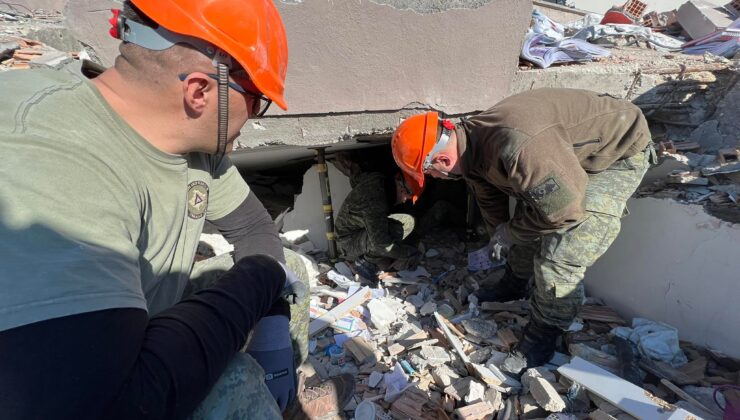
400,227
558,261
240,392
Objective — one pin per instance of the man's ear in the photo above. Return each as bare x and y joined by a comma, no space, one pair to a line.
197,90
442,158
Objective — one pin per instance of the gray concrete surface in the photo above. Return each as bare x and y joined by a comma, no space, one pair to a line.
355,57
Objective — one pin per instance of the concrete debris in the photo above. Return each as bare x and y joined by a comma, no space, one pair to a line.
374,379
408,364
547,397
479,328
428,309
477,411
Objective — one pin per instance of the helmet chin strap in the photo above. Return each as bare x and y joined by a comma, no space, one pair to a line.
223,113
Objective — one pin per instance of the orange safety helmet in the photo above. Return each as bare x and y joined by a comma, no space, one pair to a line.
411,143
250,31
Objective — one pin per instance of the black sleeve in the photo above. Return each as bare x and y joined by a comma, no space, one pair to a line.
251,230
118,364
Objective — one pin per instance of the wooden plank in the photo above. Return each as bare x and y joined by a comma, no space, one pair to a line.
665,371
625,395
329,318
507,336
685,396
695,369
361,350
604,360
520,307
601,313
454,341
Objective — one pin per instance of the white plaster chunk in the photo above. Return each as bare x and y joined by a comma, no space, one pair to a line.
380,314
476,392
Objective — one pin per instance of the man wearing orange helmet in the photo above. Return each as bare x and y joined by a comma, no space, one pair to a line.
108,180
571,159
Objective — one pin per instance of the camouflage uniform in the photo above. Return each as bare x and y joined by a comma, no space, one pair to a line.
363,226
571,158
240,392
558,261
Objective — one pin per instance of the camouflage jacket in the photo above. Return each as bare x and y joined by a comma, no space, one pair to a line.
365,210
540,147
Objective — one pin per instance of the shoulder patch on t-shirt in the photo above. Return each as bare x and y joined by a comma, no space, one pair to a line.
543,189
197,199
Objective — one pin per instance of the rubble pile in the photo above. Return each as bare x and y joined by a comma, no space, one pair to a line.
422,347
21,53
690,173
694,28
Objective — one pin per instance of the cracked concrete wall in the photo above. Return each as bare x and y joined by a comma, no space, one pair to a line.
674,263
357,56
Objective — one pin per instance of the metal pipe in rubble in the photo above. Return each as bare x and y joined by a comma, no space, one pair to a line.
323,171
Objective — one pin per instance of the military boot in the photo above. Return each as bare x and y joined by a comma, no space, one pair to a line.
510,287
536,348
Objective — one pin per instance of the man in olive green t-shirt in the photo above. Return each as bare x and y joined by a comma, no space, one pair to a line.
107,181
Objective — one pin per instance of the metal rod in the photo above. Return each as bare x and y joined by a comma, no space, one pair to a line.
470,216
323,171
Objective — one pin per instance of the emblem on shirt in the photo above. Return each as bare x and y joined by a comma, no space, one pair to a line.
197,199
545,188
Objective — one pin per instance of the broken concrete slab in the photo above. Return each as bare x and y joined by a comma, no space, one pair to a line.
545,394
699,18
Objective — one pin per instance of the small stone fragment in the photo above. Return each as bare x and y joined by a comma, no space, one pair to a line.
476,392
479,328
435,355
374,379
514,365
444,376
428,309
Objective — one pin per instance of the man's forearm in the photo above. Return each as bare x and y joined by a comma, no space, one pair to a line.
251,230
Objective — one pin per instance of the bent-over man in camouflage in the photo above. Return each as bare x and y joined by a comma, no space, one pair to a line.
366,233
571,159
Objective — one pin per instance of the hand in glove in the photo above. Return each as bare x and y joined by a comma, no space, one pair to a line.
500,241
295,290
270,346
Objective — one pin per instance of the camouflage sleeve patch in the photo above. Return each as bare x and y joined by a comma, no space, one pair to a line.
550,195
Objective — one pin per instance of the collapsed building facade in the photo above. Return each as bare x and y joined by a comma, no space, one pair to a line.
358,68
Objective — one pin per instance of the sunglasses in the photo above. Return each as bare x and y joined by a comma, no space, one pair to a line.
243,84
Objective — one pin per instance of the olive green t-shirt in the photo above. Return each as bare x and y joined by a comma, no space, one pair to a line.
92,216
